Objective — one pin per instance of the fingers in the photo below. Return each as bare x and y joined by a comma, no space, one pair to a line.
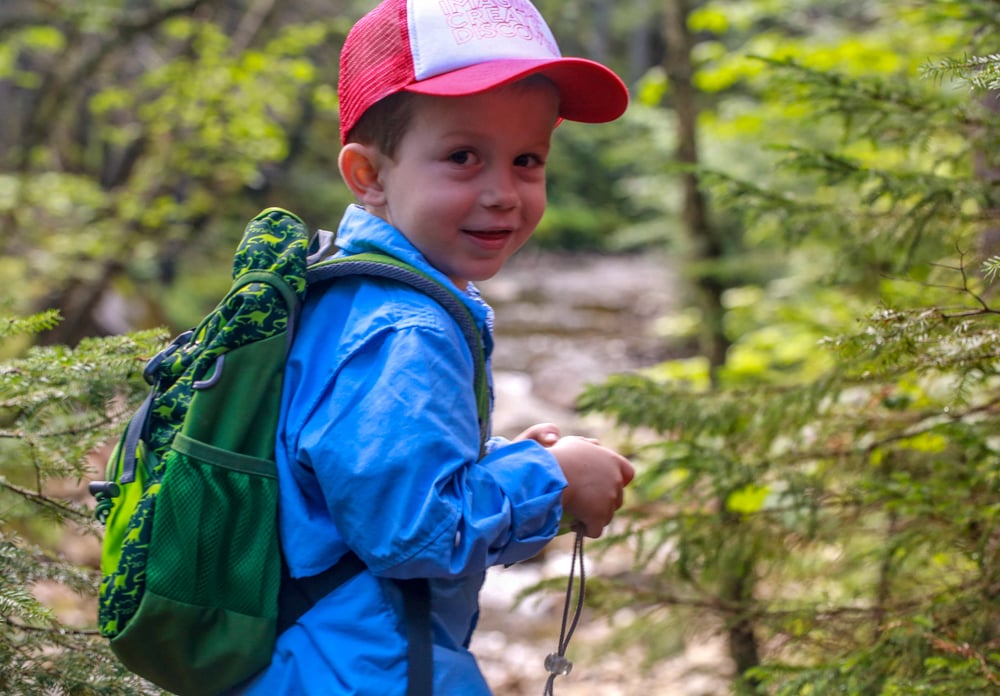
598,522
627,470
545,434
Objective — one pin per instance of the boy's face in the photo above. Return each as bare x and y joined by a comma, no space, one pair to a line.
467,184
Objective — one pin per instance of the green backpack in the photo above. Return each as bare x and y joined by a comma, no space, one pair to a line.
191,566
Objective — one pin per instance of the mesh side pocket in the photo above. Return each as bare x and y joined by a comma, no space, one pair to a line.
215,538
207,619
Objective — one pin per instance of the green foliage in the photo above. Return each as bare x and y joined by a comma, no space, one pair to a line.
832,499
868,502
130,148
598,185
58,408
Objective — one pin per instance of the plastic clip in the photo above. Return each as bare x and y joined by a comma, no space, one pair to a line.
558,664
104,493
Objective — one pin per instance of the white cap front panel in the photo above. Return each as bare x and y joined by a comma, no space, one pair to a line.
449,34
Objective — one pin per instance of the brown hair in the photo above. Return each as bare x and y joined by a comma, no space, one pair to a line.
385,123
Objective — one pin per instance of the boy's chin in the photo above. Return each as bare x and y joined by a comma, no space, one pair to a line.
463,283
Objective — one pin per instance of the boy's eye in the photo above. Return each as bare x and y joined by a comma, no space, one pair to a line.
528,160
462,157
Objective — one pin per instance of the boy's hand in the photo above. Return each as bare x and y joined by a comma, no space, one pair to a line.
596,478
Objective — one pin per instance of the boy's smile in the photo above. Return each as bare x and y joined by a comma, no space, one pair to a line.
467,184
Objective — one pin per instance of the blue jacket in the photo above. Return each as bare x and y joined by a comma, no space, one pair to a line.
377,452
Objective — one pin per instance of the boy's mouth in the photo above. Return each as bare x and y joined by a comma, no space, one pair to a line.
489,238
488,234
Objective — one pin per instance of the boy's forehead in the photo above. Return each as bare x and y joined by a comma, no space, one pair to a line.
521,119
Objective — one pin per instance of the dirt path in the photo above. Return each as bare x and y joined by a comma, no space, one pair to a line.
564,322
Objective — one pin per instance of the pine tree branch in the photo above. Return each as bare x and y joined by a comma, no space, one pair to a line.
44,501
968,652
56,631
645,589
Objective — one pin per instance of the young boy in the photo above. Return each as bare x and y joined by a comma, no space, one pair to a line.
447,110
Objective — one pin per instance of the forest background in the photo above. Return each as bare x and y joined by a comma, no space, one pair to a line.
819,478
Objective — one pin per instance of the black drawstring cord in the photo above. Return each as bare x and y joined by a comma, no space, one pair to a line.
556,663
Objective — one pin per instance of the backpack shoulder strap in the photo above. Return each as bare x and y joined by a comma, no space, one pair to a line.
384,266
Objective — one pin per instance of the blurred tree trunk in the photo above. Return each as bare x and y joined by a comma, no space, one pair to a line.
601,38
705,239
640,56
738,581
987,168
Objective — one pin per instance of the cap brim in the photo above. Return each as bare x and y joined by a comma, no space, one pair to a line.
589,92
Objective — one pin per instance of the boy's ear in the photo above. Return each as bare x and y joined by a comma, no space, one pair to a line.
359,167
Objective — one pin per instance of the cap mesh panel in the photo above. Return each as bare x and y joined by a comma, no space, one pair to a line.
375,62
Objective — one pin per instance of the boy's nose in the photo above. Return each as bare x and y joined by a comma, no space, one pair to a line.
501,191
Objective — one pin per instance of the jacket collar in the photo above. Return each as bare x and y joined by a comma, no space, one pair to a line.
361,232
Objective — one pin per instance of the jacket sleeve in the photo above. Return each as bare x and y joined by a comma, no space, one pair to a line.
393,441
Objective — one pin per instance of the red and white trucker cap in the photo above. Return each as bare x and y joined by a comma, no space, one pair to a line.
454,48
